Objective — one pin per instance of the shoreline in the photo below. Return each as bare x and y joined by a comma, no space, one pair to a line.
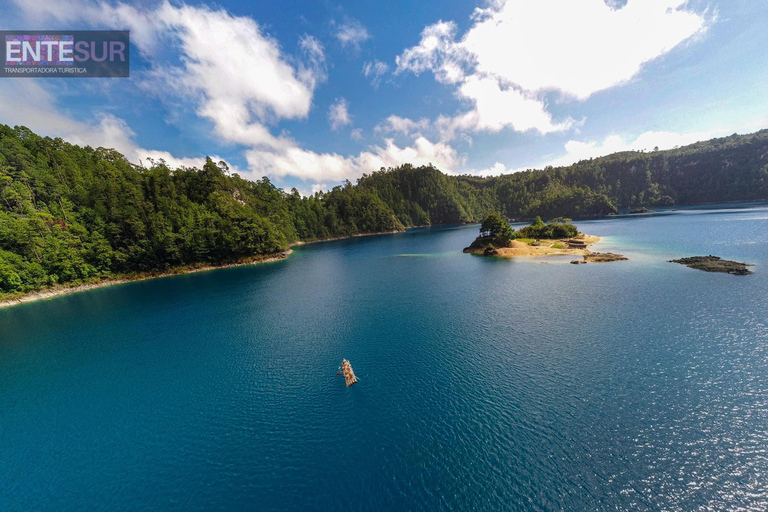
334,239
392,232
518,249
63,289
59,290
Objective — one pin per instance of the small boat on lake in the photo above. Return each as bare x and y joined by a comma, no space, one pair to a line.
349,374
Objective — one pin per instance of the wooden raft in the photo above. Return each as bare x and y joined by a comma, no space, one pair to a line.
349,374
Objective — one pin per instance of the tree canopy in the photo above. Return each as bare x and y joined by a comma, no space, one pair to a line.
555,228
493,224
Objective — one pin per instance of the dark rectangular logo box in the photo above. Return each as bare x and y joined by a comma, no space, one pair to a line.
64,53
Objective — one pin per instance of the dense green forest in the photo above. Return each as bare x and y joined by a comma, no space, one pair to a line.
70,214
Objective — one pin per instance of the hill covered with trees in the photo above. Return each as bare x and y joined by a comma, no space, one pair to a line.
71,214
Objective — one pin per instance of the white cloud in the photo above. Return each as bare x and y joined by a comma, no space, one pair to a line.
498,107
28,103
596,46
356,134
496,169
422,152
309,191
509,58
319,187
238,75
403,125
338,114
231,72
351,34
314,167
438,52
312,67
144,33
375,70
494,108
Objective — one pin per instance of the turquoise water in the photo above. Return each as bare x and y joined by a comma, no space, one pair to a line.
485,384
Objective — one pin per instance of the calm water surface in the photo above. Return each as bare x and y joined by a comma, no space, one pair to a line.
485,384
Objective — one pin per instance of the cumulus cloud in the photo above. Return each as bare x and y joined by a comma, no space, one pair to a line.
253,84
28,103
351,34
312,68
375,70
496,169
233,73
607,47
317,167
403,125
438,52
309,191
144,33
338,114
495,108
498,106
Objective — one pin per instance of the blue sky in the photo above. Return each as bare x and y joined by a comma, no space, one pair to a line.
312,93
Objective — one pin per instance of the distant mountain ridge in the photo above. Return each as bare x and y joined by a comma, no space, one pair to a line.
71,214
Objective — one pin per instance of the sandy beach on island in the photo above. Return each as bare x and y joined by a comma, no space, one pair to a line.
63,289
546,248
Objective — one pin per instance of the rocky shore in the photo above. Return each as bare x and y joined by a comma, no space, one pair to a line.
601,257
715,264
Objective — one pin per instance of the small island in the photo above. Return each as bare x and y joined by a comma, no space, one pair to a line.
600,257
556,237
715,264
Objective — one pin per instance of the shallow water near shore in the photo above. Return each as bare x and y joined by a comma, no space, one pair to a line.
485,383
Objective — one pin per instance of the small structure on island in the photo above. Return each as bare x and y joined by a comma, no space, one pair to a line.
349,374
575,243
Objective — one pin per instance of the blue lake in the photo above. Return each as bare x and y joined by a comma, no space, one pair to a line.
485,384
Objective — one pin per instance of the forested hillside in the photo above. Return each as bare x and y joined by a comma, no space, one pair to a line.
69,214
732,168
